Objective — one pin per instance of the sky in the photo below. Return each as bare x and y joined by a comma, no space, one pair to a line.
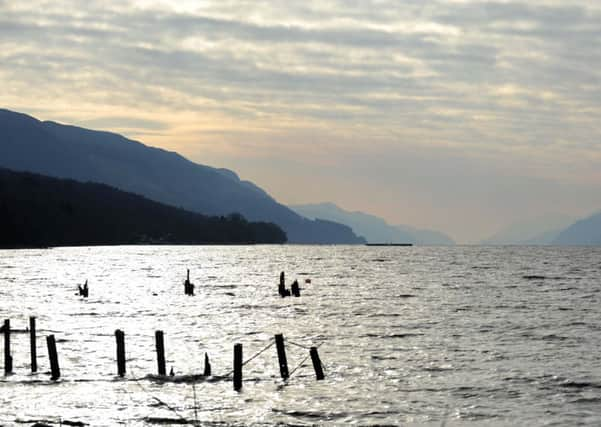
458,115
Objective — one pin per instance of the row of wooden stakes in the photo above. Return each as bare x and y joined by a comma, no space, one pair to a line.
160,350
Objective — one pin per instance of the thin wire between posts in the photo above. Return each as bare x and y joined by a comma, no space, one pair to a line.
306,347
251,358
299,365
165,404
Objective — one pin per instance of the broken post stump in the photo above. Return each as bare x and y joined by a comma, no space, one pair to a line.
207,371
279,343
316,364
120,338
8,360
188,287
160,347
237,367
33,351
53,356
295,289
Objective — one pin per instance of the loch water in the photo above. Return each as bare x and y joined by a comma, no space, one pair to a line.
434,336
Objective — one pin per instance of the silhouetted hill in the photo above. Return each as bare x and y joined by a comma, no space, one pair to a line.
373,228
538,231
36,210
49,148
587,231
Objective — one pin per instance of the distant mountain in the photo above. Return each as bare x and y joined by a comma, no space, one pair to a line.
49,148
539,231
373,228
427,237
37,210
587,231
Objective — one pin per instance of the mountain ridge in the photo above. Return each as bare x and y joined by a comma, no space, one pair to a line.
586,232
67,151
373,228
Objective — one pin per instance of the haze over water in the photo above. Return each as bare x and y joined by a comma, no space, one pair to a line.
420,335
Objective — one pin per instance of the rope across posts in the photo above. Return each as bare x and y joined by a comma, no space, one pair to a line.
279,343
237,367
53,356
8,359
160,346
32,345
120,338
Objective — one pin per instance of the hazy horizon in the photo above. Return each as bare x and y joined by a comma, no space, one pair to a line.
460,116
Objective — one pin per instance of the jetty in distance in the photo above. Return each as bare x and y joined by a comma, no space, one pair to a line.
389,244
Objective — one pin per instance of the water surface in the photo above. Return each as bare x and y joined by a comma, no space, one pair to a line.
409,335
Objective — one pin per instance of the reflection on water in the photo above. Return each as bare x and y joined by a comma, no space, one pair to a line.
459,335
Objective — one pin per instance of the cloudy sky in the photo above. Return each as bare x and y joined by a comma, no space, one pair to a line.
459,115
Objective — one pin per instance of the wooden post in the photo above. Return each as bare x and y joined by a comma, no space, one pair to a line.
237,367
120,337
32,345
295,289
207,372
282,285
188,275
53,356
8,359
316,363
160,346
279,343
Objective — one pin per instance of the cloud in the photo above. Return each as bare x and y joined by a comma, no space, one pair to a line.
498,81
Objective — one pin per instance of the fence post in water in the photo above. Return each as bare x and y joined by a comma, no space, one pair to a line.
32,345
8,360
207,372
237,367
160,346
279,343
53,356
295,289
316,363
120,337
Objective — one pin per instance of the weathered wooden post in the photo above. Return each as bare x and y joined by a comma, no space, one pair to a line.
188,287
316,364
237,367
295,288
53,356
160,346
120,338
207,371
282,285
32,345
279,343
8,359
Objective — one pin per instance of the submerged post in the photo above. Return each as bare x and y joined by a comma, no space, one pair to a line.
279,343
160,346
53,356
8,359
316,364
120,338
207,371
237,367
32,345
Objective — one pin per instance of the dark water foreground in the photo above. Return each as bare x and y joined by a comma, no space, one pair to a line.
423,336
